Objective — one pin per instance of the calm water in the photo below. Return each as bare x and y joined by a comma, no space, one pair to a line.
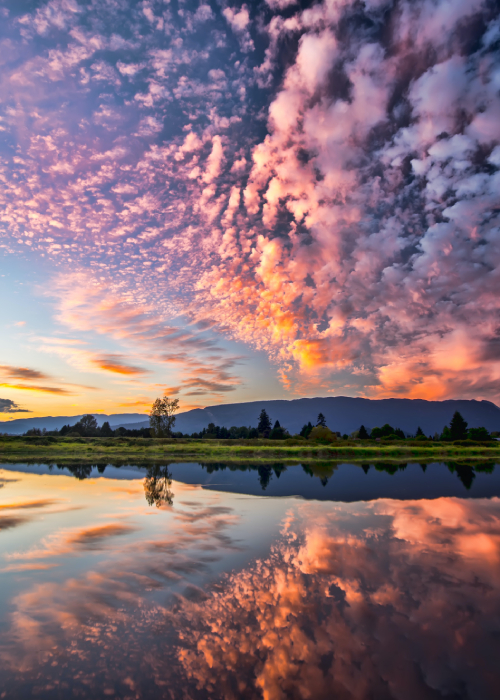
191,581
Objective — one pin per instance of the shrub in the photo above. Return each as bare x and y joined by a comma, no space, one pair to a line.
322,434
478,434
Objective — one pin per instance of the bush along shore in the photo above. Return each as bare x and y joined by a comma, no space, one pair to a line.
14,448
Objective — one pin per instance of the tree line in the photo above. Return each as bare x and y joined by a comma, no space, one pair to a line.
162,422
456,430
87,426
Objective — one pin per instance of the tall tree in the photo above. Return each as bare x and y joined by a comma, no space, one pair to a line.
419,432
363,433
321,420
106,430
306,430
278,432
161,416
87,425
264,426
458,427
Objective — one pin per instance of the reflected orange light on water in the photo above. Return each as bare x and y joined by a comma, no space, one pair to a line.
385,599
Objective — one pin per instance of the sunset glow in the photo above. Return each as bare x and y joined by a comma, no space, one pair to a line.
236,201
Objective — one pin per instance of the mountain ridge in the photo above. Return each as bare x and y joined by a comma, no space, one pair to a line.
345,414
342,413
18,426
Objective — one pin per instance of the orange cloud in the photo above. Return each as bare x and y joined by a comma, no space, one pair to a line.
115,364
41,389
22,373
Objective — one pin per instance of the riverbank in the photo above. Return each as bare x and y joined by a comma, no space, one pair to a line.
153,450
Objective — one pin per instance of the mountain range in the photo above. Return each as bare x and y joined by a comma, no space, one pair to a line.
18,426
342,413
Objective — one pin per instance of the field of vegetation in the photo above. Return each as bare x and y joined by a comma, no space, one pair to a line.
52,448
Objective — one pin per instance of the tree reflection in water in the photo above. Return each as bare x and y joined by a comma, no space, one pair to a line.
158,480
157,486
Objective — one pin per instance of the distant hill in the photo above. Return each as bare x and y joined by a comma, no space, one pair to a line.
343,413
21,425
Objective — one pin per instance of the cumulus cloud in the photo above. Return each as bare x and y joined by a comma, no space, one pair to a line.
239,21
327,194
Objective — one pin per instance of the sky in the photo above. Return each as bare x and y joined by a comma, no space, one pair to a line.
224,202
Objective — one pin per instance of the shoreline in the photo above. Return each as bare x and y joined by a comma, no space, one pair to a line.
184,450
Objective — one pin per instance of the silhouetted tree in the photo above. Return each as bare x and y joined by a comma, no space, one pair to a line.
384,431
106,430
446,434
278,433
264,426
458,427
321,420
479,434
419,432
211,431
363,433
306,430
161,416
87,425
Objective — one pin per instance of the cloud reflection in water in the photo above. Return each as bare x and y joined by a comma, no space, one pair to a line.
383,599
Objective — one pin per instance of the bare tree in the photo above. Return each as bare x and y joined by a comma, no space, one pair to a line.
161,416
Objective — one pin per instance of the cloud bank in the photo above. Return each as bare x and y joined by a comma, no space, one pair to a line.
319,181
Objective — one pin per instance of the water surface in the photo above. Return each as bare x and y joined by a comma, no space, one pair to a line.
271,581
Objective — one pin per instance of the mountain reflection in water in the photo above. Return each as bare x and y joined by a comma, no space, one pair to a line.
219,595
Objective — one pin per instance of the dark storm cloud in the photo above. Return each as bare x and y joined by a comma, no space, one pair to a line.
8,406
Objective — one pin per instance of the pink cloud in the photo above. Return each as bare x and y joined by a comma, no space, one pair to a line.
331,203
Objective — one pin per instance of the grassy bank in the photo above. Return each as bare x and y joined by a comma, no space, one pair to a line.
154,450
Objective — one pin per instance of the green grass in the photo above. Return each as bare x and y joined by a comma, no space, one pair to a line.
184,449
